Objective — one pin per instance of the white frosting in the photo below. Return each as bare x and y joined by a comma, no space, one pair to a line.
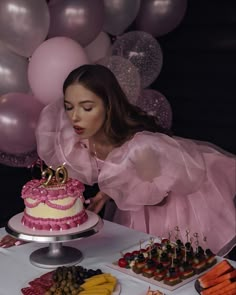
44,211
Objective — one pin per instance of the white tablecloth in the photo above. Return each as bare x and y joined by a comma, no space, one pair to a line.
98,250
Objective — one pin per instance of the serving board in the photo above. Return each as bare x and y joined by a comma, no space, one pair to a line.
161,284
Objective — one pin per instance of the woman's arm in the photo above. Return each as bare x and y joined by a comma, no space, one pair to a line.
148,168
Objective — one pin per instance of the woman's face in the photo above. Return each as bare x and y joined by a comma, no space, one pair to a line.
85,110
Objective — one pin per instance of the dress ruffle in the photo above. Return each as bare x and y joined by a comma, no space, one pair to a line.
57,143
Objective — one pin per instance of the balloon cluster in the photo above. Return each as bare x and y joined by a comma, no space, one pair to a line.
42,41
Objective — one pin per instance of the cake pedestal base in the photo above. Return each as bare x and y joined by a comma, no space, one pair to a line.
56,254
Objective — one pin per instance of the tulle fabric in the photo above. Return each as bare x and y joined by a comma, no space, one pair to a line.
57,143
156,181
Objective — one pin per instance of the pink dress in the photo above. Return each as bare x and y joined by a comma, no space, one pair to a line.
157,182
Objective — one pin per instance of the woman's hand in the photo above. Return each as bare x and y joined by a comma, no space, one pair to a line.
8,241
96,203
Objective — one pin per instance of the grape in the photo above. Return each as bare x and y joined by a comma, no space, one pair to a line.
98,272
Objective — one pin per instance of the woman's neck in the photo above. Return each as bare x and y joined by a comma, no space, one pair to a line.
99,139
100,147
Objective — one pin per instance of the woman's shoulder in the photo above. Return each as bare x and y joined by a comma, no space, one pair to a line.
148,135
146,141
139,141
147,138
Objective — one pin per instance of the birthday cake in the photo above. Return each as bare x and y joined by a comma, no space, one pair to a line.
53,202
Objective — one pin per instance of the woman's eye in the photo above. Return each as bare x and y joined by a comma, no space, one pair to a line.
68,108
87,109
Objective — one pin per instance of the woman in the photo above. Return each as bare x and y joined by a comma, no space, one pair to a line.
157,181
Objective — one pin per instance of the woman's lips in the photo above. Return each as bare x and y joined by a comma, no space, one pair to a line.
78,130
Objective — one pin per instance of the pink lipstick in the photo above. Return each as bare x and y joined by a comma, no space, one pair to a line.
78,129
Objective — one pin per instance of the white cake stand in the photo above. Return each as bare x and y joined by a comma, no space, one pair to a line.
55,254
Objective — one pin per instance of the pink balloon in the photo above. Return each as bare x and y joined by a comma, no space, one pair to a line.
24,24
13,71
156,104
50,64
80,20
19,114
99,47
160,17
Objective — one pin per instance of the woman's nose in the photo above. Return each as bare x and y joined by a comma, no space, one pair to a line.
75,116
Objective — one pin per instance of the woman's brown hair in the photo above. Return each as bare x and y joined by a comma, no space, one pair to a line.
123,119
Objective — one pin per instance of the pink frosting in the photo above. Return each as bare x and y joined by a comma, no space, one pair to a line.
35,190
52,224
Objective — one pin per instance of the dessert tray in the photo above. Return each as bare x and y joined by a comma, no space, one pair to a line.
56,254
129,271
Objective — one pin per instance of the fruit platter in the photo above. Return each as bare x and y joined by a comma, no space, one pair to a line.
73,280
165,263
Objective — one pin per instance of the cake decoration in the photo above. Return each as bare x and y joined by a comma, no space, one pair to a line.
54,202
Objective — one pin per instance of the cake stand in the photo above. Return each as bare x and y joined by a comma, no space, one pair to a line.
55,254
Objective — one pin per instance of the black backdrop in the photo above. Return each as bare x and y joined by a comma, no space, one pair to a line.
198,78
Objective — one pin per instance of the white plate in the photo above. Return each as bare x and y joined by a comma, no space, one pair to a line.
117,289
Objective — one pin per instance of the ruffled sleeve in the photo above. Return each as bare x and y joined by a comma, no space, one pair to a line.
148,167
57,143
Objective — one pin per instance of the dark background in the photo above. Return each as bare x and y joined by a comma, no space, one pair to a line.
198,78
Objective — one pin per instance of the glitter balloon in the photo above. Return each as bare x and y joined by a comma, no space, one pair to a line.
126,74
156,104
20,160
143,51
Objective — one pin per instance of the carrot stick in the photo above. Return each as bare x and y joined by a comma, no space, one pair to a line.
231,292
229,288
220,268
214,289
212,282
222,263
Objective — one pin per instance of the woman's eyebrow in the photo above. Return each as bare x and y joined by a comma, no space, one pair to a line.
86,101
81,102
65,101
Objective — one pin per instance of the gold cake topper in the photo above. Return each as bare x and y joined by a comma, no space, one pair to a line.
61,175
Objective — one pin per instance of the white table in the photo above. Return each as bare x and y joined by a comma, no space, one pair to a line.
98,250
